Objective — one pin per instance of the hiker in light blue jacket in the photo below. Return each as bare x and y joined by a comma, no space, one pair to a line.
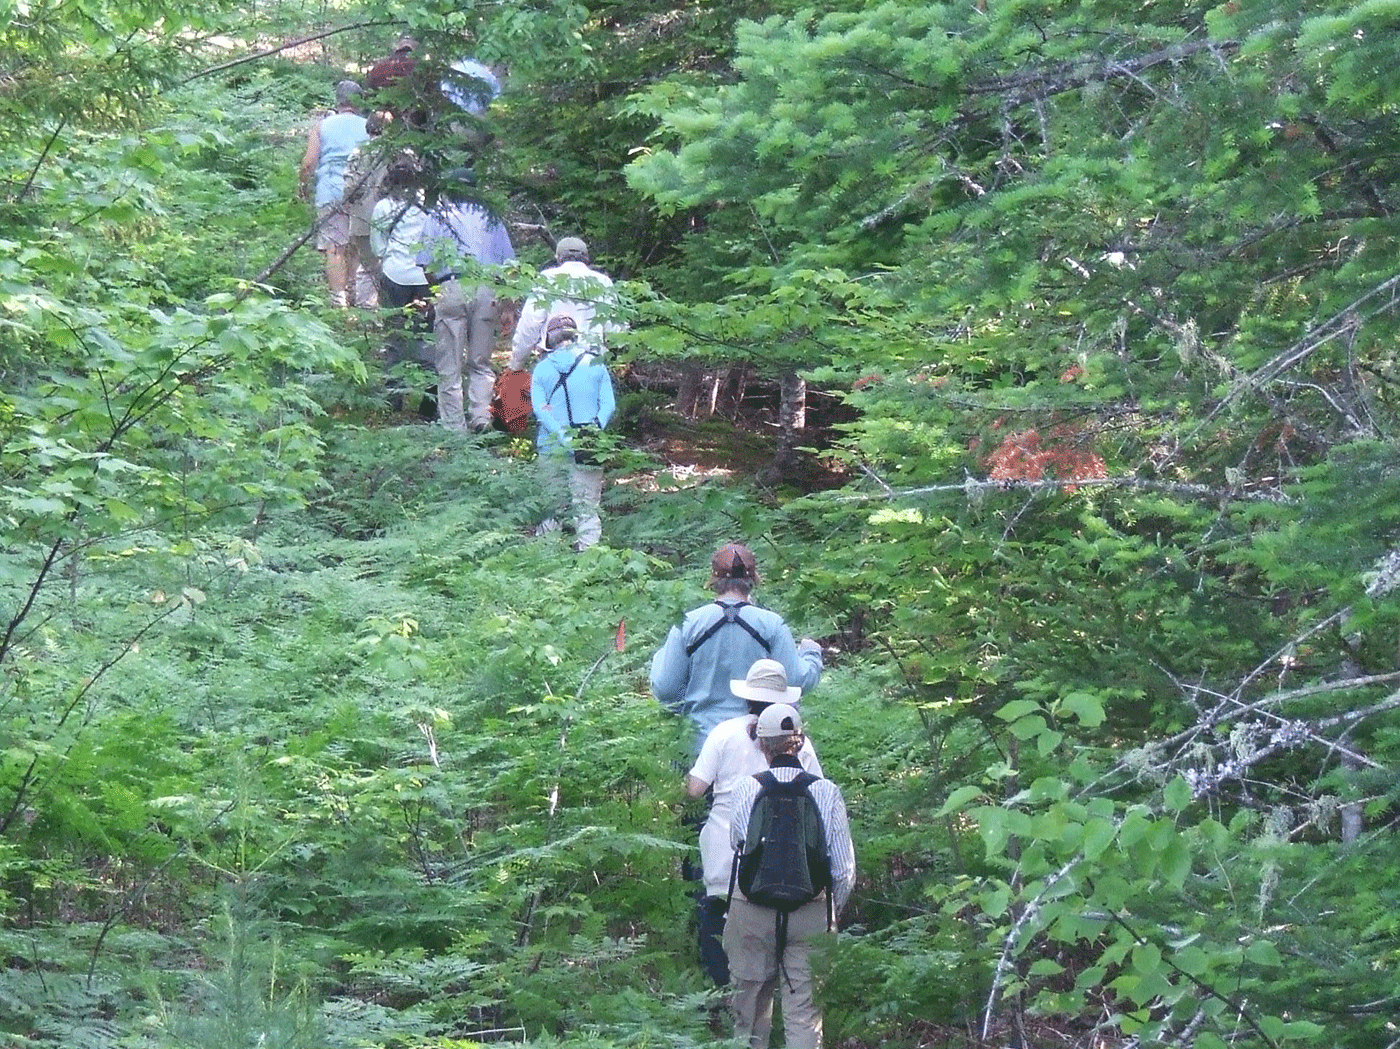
571,394
719,641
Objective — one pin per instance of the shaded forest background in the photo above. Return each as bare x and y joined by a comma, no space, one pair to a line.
307,744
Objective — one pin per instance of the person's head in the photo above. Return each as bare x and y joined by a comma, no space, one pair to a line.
405,44
779,731
766,683
402,177
571,249
558,330
376,122
733,570
347,94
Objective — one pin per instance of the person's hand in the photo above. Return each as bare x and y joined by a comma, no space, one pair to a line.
808,645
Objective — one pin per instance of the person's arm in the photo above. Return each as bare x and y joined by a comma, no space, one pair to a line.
841,851
745,794
609,308
607,401
528,328
433,234
542,381
309,159
670,670
378,227
499,249
803,662
808,757
695,787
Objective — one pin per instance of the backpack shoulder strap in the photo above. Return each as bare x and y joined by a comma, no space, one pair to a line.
730,614
562,381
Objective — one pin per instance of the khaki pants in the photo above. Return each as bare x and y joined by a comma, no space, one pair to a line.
464,334
750,940
572,490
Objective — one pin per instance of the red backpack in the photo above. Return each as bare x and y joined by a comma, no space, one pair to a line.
510,401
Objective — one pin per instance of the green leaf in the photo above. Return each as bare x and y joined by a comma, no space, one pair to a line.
1017,708
1177,794
1088,709
1264,953
960,797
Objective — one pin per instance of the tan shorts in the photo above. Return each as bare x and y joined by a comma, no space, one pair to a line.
334,228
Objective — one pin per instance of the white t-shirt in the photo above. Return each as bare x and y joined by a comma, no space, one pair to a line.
727,756
396,236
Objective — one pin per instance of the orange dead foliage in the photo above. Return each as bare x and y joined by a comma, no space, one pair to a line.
1025,456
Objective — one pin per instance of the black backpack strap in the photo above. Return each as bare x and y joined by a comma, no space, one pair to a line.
731,615
562,383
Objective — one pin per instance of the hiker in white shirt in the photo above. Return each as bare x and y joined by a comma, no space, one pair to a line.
569,287
729,755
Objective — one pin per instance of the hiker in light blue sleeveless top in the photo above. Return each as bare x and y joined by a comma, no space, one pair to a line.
719,641
328,148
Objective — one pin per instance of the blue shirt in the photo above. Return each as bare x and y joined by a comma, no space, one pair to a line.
457,231
697,685
584,397
341,135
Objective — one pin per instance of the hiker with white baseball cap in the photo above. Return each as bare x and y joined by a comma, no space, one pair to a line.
729,755
783,819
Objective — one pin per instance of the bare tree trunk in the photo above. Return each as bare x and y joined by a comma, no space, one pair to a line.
792,420
732,388
697,392
688,390
709,392
1351,814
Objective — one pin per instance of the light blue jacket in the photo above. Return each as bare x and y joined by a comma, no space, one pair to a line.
584,398
697,685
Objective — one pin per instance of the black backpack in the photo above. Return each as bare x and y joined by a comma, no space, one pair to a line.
783,862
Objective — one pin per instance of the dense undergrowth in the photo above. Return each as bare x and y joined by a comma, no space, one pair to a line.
392,780
304,742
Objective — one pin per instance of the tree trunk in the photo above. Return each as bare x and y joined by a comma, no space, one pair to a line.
792,420
732,388
687,391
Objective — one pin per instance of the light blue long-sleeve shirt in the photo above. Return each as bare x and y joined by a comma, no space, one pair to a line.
697,685
584,398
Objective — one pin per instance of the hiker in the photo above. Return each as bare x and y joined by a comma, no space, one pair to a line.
778,907
467,89
569,287
364,178
399,65
396,232
571,394
719,641
460,238
329,144
730,754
